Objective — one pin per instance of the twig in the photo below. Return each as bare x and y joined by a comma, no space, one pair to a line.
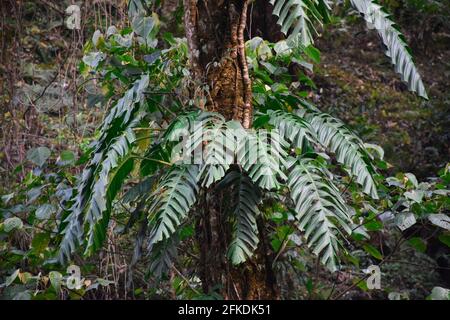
185,279
397,245
154,160
53,6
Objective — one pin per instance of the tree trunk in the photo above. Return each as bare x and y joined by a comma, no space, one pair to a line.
216,40
215,34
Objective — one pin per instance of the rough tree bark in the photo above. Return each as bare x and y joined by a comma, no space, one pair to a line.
215,32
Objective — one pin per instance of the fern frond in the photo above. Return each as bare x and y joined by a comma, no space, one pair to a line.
172,200
139,191
103,191
349,149
211,142
320,209
168,147
292,127
397,49
262,155
296,17
73,231
124,107
162,255
219,151
245,234
115,123
115,167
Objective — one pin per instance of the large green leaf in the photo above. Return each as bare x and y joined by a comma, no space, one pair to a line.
321,210
349,149
162,255
296,17
293,128
219,150
115,133
262,155
172,200
397,49
246,199
181,131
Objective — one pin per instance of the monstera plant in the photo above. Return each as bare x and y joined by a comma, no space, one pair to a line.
198,142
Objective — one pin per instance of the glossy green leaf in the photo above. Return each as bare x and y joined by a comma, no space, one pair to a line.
374,252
